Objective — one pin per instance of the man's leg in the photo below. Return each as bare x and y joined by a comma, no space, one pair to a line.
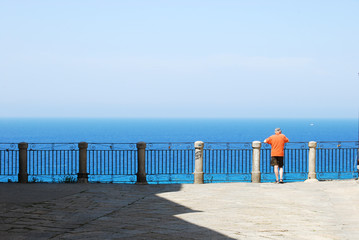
276,172
281,173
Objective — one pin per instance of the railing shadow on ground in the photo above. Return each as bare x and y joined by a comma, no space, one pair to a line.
95,211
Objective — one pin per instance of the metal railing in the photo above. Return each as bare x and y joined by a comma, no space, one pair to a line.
337,160
227,161
295,161
112,159
9,163
169,162
52,161
174,162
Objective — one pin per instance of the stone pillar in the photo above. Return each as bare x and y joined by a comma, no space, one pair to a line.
312,176
23,175
198,163
82,176
256,156
141,157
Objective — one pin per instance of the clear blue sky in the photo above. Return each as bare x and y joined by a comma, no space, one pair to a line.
180,58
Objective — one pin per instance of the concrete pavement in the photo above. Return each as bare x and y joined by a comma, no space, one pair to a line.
298,210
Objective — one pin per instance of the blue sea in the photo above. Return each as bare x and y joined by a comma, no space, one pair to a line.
42,130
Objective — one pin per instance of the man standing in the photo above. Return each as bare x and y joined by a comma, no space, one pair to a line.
277,142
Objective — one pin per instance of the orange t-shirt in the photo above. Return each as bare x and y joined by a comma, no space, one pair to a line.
277,141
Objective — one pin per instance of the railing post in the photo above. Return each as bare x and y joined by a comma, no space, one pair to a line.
82,176
256,156
312,176
23,175
141,157
198,163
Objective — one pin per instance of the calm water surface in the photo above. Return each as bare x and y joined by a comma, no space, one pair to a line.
173,130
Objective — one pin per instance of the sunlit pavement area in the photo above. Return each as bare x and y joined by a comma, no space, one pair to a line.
299,210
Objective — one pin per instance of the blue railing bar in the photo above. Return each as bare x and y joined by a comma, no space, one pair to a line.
149,142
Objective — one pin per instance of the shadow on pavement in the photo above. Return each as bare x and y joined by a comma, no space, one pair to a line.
94,211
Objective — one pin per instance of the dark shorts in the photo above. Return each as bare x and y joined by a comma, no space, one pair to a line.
276,161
